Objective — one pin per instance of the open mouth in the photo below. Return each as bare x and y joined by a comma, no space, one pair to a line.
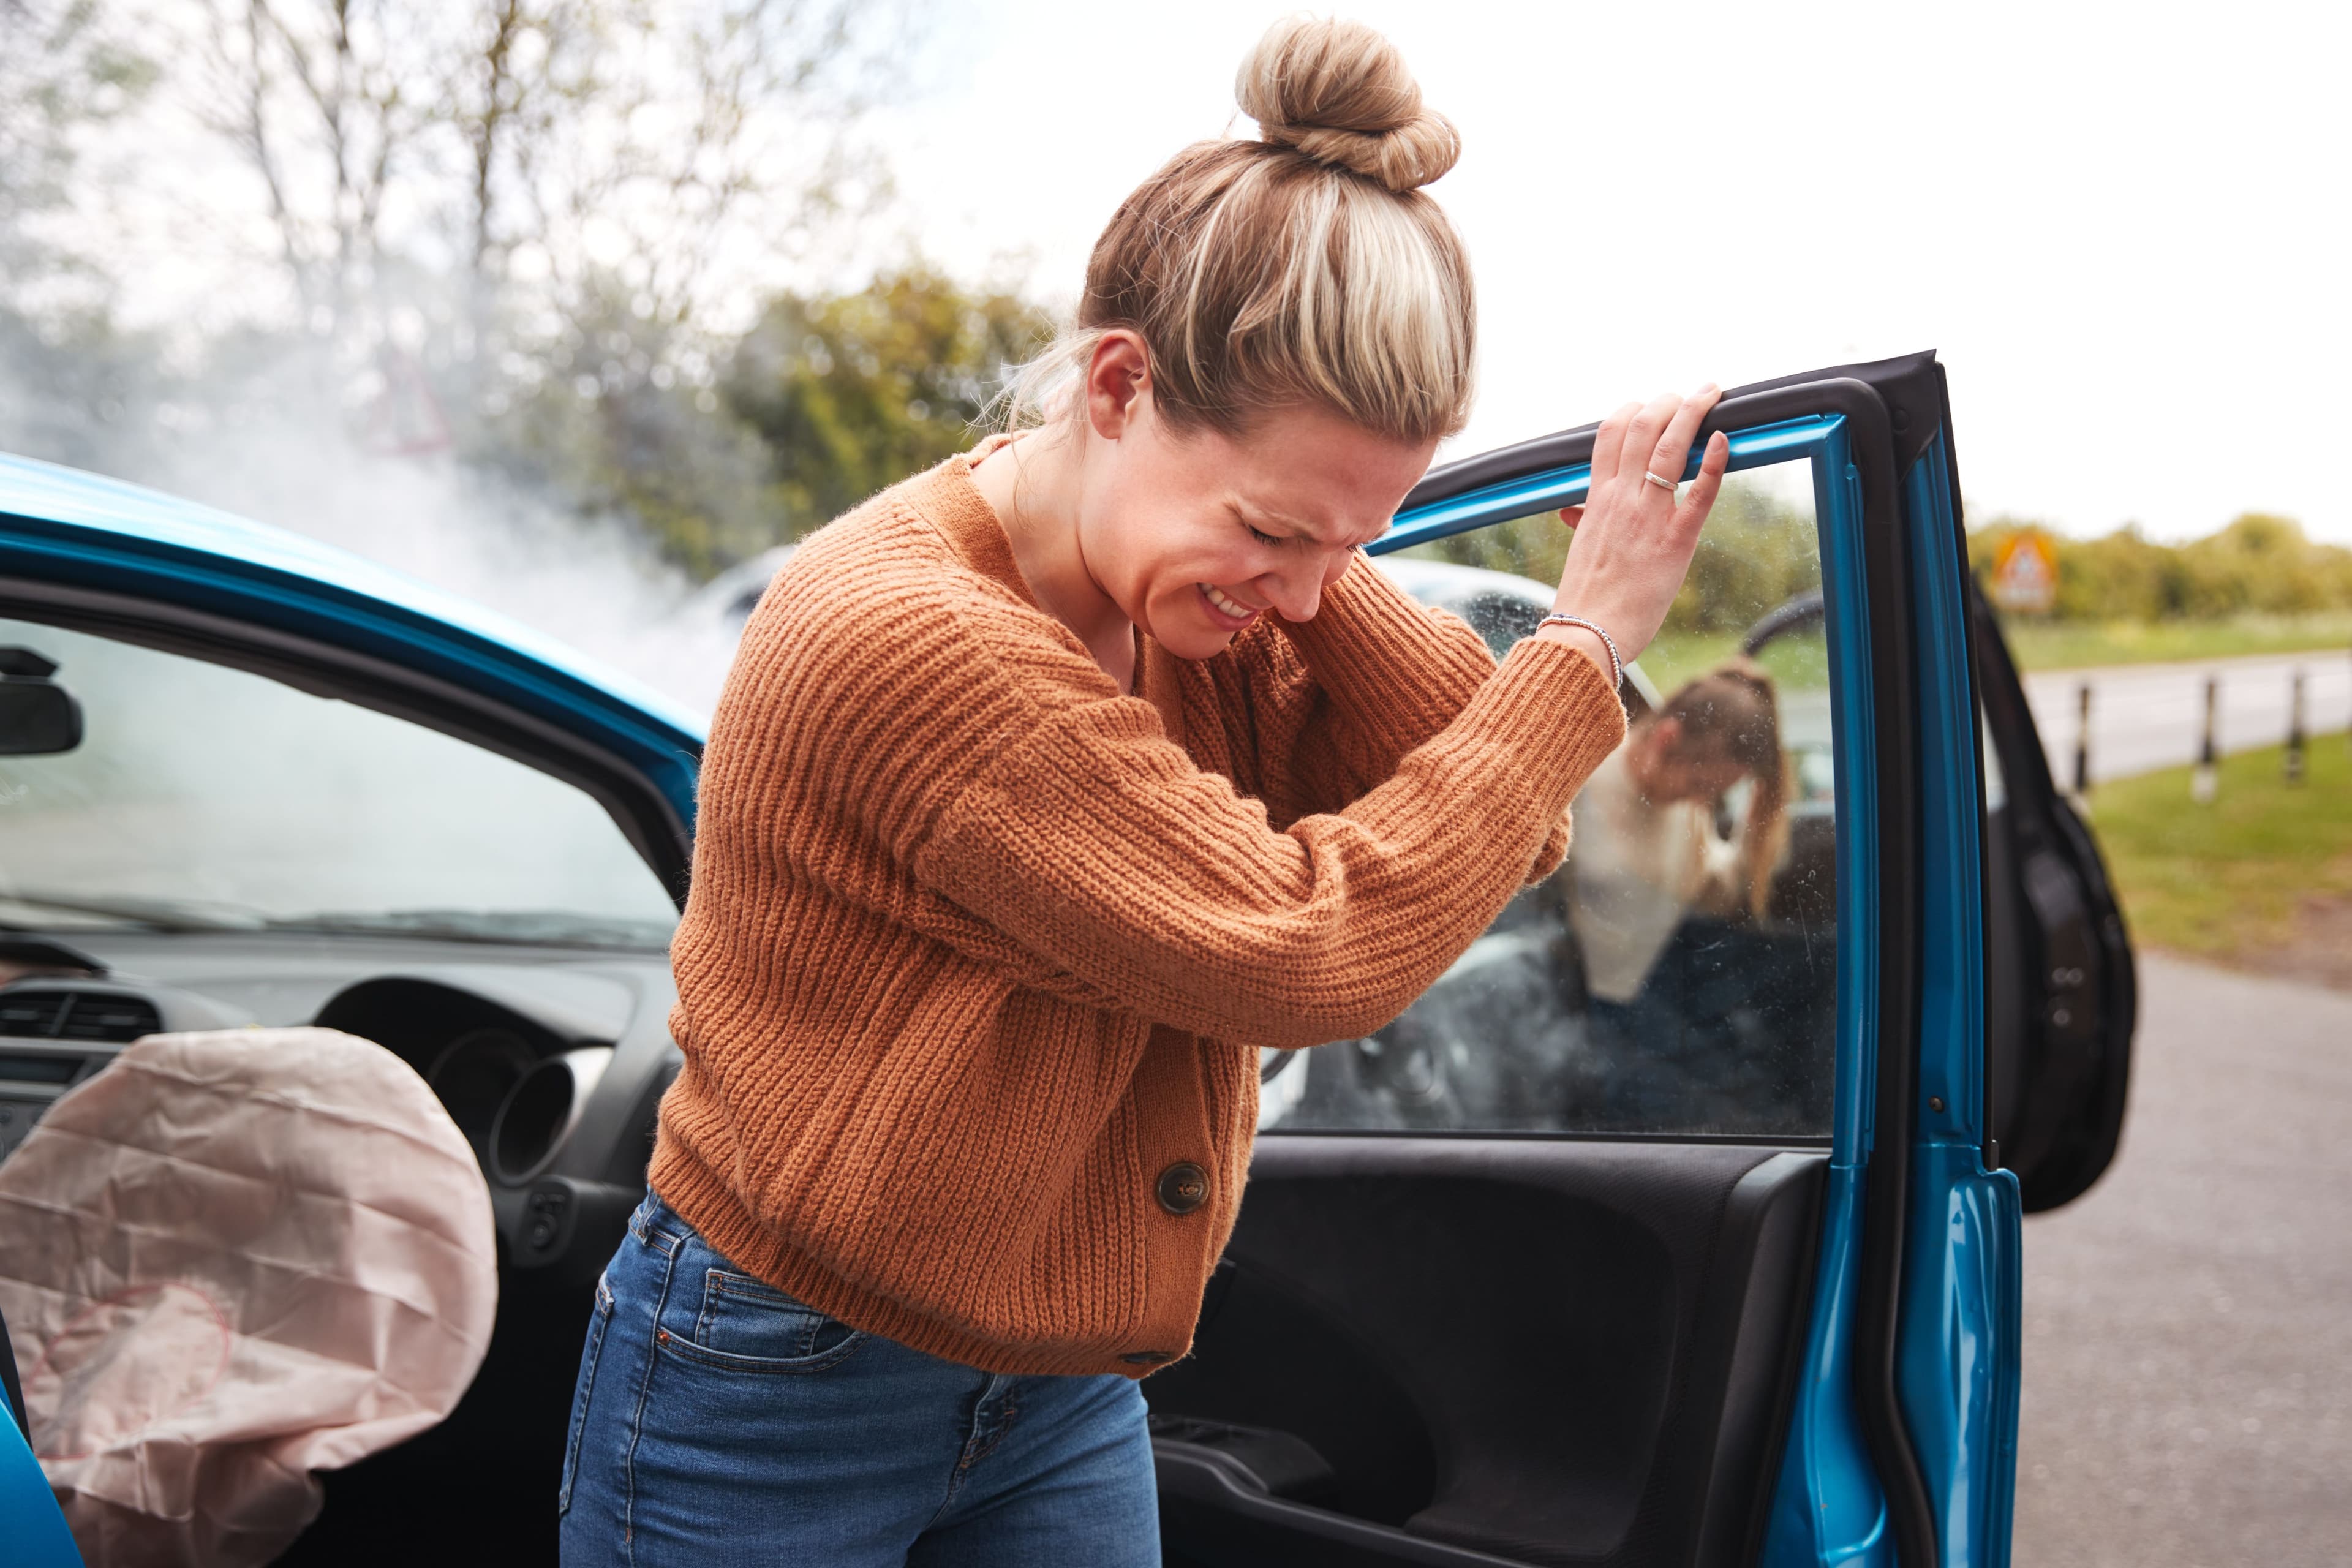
1230,615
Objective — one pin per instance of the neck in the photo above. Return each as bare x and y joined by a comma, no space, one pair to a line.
1034,485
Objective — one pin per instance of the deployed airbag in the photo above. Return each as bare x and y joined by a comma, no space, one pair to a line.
230,1259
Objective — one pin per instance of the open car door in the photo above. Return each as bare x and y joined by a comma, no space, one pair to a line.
2061,990
1660,1230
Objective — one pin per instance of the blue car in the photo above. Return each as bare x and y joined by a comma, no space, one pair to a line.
1677,1231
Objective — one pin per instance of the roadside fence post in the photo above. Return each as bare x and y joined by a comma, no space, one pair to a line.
2082,740
2294,731
2205,782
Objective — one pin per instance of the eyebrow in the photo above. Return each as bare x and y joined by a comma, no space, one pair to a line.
1255,514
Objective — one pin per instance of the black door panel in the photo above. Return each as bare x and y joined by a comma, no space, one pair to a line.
1452,1351
2062,994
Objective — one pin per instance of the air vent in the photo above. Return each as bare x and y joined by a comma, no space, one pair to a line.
48,1013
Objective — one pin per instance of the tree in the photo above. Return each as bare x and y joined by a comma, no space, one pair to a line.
2257,564
854,392
65,68
537,153
506,232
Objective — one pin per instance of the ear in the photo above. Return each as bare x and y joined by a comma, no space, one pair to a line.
1117,383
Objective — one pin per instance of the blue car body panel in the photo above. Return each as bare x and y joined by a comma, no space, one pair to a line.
30,1522
60,525
1957,1364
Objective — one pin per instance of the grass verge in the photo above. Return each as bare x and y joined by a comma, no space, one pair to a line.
2262,878
2073,644
1675,657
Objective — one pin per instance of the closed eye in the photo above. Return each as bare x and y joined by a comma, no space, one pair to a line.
1255,533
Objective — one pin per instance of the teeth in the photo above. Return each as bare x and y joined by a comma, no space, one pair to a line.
1239,611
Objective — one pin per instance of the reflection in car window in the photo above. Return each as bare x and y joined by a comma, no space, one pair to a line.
203,797
1677,974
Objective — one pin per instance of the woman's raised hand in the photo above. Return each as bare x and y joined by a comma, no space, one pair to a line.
1634,538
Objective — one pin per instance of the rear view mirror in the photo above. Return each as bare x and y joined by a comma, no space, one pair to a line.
38,718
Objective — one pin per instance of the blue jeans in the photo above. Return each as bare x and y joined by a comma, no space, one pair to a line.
719,1421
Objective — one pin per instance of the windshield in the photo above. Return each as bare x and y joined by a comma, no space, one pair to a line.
204,798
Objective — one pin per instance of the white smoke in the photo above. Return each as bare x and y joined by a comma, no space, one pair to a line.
591,582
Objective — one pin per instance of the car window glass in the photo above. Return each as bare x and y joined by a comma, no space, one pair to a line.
201,797
1677,974
1996,782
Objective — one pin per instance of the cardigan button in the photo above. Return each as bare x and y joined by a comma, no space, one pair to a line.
1183,1187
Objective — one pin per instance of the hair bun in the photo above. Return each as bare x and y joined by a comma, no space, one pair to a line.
1339,93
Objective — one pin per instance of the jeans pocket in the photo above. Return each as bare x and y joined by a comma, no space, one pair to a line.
590,1355
748,1325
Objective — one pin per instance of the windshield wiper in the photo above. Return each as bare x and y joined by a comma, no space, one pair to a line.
523,928
542,928
153,914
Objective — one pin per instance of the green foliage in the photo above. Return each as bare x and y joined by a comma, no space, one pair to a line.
2259,564
693,479
855,392
1756,554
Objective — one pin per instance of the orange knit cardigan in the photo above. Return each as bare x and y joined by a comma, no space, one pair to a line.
981,948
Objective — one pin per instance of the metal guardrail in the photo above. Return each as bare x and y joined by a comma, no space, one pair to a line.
2131,718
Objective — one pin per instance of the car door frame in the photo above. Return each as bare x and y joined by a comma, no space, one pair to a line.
1900,1301
90,554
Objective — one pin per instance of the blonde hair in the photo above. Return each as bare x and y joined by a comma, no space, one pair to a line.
1304,268
1731,712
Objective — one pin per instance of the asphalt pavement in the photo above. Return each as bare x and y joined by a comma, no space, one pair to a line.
2148,716
2188,1398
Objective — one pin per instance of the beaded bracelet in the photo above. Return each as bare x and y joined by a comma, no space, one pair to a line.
1616,664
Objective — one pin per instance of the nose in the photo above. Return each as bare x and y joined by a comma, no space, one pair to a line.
1297,590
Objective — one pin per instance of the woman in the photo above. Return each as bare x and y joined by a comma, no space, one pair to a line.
1648,852
1047,788
1649,857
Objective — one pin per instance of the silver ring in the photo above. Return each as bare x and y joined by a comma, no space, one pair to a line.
1662,484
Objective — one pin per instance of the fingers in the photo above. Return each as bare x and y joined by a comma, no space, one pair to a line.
1571,516
1699,499
1609,444
1643,438
1672,453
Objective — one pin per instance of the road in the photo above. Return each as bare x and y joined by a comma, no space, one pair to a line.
2187,1396
2146,716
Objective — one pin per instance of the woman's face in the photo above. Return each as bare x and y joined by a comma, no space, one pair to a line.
1196,536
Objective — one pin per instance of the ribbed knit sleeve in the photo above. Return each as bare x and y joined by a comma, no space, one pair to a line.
1337,701
1095,843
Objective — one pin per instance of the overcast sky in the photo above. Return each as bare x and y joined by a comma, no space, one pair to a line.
2124,226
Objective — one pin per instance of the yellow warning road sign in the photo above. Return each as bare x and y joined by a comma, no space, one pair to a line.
2025,574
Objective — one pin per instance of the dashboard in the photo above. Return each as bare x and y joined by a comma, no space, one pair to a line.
551,1061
